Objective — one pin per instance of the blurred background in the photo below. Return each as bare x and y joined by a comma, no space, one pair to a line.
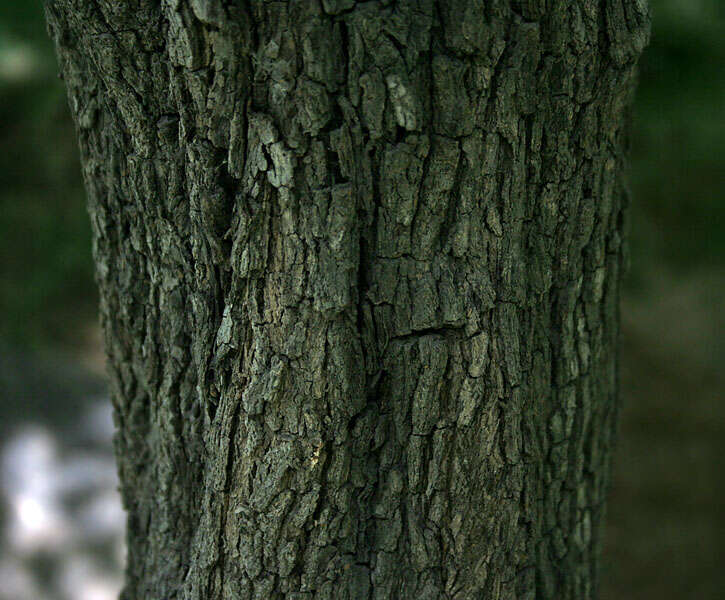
61,525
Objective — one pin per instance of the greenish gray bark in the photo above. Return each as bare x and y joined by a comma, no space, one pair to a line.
359,267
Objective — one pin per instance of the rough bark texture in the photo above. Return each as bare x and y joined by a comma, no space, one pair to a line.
359,266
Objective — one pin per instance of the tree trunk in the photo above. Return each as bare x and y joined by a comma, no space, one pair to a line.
359,266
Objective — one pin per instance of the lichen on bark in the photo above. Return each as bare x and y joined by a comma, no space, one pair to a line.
359,267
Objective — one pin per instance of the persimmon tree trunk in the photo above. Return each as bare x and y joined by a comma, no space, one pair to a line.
359,266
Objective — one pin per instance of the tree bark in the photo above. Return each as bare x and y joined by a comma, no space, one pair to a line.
359,266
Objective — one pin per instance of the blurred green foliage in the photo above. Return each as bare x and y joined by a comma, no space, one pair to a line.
22,19
678,141
46,274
